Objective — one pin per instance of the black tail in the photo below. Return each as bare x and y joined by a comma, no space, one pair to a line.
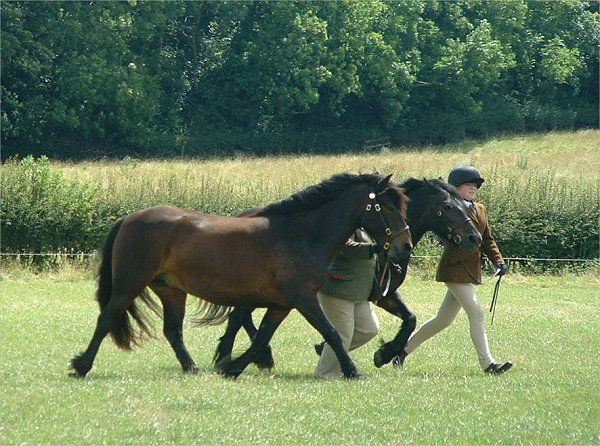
122,331
211,314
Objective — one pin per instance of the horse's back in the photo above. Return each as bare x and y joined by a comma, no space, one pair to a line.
162,214
183,233
218,258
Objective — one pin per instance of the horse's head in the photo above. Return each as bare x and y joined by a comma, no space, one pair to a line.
385,218
437,207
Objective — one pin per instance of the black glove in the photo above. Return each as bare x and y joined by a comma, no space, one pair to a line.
502,269
375,248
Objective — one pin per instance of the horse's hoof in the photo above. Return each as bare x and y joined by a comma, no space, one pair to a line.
264,359
222,363
262,366
191,369
231,374
266,363
378,359
356,375
76,375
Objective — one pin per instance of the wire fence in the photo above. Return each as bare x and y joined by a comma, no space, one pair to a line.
526,265
92,254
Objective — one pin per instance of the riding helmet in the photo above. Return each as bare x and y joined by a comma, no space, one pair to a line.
465,174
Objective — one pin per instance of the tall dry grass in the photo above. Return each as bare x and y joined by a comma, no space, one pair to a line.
570,155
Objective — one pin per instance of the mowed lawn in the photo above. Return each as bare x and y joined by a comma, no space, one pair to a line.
548,326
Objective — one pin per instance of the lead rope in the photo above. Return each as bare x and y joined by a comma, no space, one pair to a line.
385,275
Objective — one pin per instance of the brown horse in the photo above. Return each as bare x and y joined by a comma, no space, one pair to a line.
433,205
275,258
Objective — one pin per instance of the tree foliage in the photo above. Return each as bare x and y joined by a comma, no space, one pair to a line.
206,76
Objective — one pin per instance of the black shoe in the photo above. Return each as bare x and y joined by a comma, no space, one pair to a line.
498,369
319,348
398,361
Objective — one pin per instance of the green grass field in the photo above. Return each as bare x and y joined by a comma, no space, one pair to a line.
549,327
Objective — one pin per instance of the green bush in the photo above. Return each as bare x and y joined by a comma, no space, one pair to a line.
40,211
536,214
532,213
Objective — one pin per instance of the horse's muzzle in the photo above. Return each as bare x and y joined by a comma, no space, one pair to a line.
400,252
471,242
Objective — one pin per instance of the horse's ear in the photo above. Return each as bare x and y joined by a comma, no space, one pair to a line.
382,184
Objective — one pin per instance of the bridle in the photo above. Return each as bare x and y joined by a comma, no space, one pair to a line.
374,205
452,236
456,239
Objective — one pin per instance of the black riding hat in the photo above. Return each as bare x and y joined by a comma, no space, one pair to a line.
465,174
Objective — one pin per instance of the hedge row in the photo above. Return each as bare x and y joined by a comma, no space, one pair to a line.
42,211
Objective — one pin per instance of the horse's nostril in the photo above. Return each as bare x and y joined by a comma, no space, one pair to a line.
408,247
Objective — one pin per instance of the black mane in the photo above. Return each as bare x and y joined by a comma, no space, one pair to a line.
413,185
314,196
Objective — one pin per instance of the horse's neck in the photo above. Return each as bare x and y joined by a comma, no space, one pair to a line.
332,223
418,222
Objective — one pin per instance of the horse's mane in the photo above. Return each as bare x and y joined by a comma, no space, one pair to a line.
314,196
413,185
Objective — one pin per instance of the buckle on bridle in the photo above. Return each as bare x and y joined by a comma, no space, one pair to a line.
388,231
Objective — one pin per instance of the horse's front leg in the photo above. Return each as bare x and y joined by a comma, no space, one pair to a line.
394,304
271,320
309,307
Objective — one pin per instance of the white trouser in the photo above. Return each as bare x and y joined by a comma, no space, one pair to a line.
459,295
357,324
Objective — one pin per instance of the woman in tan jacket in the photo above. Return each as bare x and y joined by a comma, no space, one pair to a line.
460,272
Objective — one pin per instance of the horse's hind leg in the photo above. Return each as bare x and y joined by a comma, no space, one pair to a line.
82,363
238,318
271,320
110,317
225,344
173,301
396,306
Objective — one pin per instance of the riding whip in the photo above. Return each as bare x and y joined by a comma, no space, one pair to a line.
495,295
496,287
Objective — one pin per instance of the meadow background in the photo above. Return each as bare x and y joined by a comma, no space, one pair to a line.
542,190
353,86
548,323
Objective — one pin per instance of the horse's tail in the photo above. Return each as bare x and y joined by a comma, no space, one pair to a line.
211,314
122,331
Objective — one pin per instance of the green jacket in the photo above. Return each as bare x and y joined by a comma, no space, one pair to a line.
351,273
